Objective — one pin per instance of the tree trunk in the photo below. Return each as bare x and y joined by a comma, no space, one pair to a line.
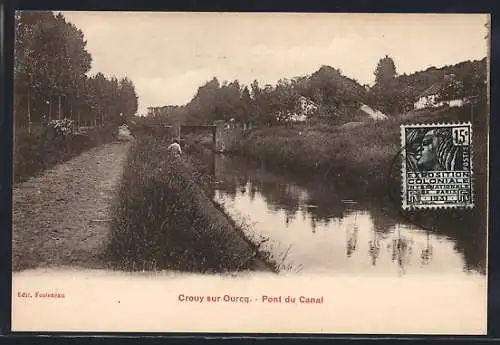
50,108
59,110
29,111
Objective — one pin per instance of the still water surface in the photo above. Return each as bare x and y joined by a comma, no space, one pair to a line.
311,227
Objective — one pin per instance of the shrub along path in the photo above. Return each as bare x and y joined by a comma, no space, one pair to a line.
61,217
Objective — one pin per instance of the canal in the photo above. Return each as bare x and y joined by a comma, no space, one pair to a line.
308,225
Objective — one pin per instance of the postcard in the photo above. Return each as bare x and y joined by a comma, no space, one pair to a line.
250,172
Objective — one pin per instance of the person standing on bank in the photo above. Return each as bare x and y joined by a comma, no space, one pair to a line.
175,147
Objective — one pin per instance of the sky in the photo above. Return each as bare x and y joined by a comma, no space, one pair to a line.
169,55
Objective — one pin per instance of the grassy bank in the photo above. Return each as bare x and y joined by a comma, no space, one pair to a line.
362,154
163,219
37,152
365,159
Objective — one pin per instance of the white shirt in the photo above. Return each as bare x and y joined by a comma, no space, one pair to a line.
176,148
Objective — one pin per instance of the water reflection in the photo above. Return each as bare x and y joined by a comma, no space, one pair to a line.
330,227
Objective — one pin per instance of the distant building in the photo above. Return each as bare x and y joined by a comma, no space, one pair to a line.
154,111
430,97
306,108
307,105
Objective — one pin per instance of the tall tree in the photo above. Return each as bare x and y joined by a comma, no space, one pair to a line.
50,57
385,94
128,98
385,72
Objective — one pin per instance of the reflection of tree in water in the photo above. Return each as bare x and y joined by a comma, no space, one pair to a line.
289,217
286,192
383,219
279,188
374,247
327,199
465,228
228,186
278,195
426,254
253,190
292,197
401,250
352,238
313,225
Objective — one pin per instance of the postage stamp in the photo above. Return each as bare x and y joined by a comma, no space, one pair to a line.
437,165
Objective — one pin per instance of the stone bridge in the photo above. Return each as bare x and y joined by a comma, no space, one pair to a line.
223,134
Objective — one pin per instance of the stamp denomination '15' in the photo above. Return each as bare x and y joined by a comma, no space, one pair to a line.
437,165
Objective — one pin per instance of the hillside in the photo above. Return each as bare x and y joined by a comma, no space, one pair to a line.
464,79
464,71
337,97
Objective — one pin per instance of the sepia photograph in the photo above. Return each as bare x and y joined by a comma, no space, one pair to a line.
250,172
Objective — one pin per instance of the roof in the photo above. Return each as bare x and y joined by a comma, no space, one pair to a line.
308,100
372,113
433,90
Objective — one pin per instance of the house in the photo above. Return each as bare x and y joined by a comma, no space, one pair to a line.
430,97
306,108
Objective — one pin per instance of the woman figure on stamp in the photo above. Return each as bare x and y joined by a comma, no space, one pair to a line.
433,150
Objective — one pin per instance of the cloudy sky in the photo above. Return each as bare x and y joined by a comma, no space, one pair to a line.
169,55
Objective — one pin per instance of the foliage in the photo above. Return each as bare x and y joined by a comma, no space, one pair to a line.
34,152
268,105
362,154
53,94
62,127
50,76
395,94
385,71
336,97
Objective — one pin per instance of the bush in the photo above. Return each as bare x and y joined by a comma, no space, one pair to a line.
162,219
36,152
62,127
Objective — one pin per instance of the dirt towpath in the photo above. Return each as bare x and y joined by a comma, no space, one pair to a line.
61,218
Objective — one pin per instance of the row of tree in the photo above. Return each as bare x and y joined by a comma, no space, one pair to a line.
51,81
336,97
327,88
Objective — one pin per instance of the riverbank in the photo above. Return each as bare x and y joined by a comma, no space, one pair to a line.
365,160
163,219
365,157
361,154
